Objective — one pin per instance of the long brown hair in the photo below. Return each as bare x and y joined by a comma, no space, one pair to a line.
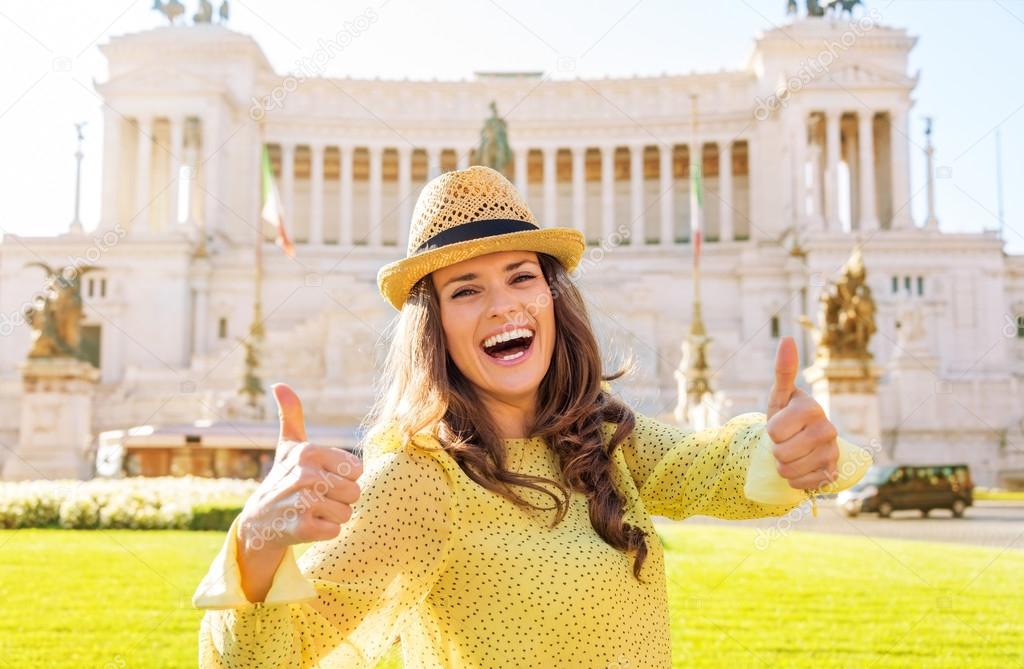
424,390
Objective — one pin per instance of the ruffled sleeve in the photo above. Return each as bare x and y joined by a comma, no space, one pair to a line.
727,472
681,473
344,601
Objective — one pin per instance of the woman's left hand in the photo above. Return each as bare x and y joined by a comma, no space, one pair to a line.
805,449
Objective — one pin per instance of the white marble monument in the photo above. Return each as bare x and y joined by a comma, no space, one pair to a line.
818,109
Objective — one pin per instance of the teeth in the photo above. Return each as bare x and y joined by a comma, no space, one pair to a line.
513,356
511,334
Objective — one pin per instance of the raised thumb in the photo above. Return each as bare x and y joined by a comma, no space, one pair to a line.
289,411
787,361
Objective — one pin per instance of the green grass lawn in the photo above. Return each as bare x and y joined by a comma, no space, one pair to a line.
999,495
118,599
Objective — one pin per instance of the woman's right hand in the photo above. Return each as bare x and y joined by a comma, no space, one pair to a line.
306,496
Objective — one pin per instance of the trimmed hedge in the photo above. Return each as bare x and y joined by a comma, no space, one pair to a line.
167,502
213,517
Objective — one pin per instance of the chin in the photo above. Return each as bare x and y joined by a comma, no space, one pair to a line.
515,387
514,381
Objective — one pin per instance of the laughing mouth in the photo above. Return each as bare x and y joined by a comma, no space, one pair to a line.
509,346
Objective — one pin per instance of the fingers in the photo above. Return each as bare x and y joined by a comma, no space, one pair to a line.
315,528
810,450
329,458
289,412
815,479
335,512
801,411
293,432
340,462
318,501
811,458
313,483
787,362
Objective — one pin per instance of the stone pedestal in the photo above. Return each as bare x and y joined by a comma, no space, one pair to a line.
1011,461
915,382
711,412
56,420
917,388
848,391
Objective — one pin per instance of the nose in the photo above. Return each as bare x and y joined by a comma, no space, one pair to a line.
503,303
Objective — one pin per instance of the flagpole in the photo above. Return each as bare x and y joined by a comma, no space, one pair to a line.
698,382
252,386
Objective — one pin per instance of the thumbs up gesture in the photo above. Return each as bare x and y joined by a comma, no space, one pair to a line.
805,449
309,491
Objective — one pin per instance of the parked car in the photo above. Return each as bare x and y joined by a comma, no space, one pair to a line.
888,488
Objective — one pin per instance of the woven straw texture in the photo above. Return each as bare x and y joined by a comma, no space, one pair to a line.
477,193
474,194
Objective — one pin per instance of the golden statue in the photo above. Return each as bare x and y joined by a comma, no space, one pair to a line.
56,314
846,317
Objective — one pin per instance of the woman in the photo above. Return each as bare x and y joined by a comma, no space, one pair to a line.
504,516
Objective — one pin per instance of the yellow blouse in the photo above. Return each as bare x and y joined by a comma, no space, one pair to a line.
468,579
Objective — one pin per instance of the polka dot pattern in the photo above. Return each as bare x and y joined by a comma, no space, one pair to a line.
465,578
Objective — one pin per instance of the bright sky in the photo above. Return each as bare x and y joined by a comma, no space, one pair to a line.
969,54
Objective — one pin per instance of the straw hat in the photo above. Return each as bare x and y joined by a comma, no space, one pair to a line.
467,213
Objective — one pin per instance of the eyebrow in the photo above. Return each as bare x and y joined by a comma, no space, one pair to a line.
470,275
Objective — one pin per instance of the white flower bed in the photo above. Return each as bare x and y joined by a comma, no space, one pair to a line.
165,502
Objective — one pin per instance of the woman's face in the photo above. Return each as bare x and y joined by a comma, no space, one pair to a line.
491,298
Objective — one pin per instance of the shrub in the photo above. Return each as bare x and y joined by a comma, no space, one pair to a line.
188,502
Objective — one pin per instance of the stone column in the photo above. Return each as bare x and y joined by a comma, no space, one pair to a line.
636,191
726,233
112,172
832,172
405,202
433,162
816,216
579,186
210,173
376,154
865,137
849,153
756,205
143,157
899,147
668,192
194,160
462,158
176,151
800,169
288,179
254,193
522,162
316,185
550,187
345,165
55,432
607,191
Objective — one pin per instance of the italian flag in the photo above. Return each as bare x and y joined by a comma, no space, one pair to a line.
273,211
696,206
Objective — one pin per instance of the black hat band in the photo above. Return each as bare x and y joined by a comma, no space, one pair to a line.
474,230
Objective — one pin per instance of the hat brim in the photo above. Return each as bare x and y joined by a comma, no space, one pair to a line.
396,279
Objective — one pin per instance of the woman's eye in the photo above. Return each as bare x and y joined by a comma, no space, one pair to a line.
469,291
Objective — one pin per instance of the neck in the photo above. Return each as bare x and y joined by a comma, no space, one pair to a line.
513,417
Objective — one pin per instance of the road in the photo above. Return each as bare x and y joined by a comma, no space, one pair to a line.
991,524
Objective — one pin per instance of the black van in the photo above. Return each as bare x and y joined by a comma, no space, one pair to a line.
888,488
